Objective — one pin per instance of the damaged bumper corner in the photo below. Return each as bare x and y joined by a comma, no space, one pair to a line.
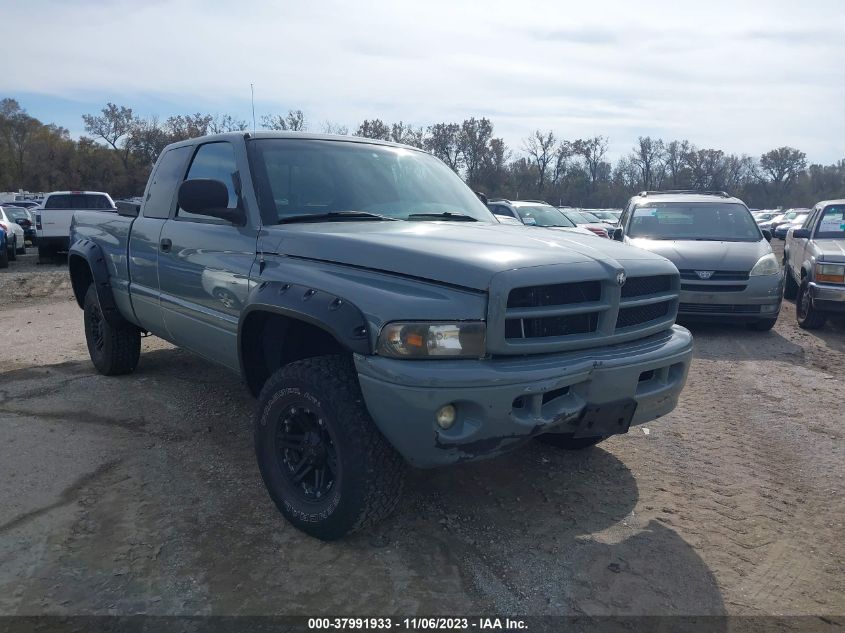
503,402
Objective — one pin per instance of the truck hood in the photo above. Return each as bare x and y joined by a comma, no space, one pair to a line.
455,253
705,255
831,250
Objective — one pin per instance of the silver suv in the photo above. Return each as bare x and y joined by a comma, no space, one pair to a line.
728,270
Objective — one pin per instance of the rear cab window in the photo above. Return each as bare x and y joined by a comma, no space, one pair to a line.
79,201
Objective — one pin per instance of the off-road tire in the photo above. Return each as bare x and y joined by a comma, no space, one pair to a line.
763,325
790,288
114,347
4,258
808,317
567,442
370,473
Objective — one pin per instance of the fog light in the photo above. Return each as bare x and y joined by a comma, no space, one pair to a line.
446,416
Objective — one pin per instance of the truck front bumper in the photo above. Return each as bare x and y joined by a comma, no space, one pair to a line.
502,402
827,297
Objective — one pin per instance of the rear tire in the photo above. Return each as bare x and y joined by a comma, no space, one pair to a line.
45,254
114,347
808,317
763,325
790,288
567,442
327,467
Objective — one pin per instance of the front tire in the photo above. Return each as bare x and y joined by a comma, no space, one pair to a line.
4,258
790,288
567,442
327,467
808,317
13,250
114,348
22,249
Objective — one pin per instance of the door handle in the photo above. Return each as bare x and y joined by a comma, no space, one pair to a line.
165,245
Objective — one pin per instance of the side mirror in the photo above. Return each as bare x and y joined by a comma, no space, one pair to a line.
767,234
617,234
801,234
209,197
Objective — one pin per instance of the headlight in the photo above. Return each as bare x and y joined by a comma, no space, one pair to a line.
463,339
766,265
831,273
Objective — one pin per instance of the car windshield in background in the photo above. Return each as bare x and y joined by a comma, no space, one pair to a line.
590,217
78,201
604,215
726,222
297,178
16,213
832,223
543,216
576,216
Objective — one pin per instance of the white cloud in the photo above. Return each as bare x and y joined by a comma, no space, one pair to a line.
740,76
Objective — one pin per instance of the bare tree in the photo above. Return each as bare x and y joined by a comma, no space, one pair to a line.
376,129
222,123
781,167
562,155
183,127
675,156
442,141
329,127
113,126
147,139
647,157
707,168
293,121
541,149
473,143
593,151
407,134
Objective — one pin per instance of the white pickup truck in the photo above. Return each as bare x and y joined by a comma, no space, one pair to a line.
52,220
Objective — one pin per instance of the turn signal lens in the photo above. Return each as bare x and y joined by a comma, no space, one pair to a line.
830,273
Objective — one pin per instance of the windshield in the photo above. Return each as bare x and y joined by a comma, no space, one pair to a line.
301,177
16,214
604,215
832,223
724,222
575,216
543,216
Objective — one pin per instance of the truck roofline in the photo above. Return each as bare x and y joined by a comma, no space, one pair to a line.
234,136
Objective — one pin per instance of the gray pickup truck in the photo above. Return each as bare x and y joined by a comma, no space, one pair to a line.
378,311
814,264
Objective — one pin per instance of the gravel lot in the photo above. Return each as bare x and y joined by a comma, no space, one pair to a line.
141,493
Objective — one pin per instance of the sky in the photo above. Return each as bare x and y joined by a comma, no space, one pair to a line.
744,76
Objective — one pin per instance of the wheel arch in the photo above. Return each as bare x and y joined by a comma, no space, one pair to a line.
87,265
283,322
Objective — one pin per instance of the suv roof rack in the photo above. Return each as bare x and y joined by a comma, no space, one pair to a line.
701,192
534,201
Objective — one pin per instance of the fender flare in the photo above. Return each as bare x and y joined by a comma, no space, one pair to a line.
91,253
335,315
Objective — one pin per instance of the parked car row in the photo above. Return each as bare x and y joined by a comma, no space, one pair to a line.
721,249
15,226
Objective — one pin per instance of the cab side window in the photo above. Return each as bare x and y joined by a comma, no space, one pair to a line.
215,161
167,176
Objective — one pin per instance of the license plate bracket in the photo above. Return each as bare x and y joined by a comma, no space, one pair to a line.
612,418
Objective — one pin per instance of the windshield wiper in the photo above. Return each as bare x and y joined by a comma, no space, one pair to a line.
334,215
446,215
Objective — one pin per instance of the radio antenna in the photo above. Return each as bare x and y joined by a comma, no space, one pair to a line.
252,96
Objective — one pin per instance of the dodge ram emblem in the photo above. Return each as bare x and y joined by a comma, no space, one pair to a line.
704,274
620,277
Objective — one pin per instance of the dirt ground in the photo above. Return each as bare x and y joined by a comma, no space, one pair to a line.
140,494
